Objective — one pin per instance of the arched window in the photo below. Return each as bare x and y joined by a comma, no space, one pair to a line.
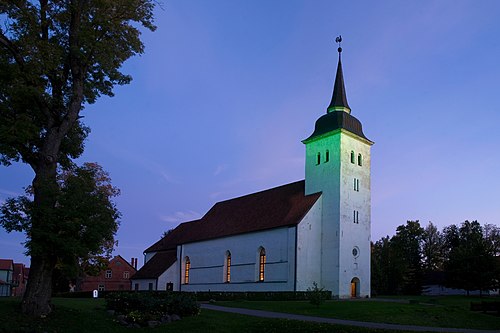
187,267
262,263
352,156
327,156
318,160
360,160
228,267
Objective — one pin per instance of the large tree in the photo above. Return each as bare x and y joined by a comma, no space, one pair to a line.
407,244
471,263
85,220
432,248
56,57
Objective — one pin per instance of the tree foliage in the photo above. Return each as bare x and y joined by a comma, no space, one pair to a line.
56,56
85,218
471,263
467,255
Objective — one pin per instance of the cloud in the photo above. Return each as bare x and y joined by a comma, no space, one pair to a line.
178,217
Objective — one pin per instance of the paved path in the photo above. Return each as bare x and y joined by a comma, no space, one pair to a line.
268,314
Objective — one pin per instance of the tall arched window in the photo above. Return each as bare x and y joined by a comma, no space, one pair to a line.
187,267
352,156
360,160
262,263
228,267
318,161
327,156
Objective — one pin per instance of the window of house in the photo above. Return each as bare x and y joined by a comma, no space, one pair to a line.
136,286
356,184
262,263
126,274
228,267
100,287
352,156
109,274
187,267
327,156
150,286
318,160
360,160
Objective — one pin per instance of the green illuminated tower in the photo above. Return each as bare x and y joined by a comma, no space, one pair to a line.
338,165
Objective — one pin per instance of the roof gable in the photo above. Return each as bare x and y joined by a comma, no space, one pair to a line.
281,206
158,264
119,258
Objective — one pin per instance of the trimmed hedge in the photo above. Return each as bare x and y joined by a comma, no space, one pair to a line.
203,296
153,304
259,296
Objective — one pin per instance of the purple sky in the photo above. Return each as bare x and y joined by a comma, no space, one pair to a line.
227,90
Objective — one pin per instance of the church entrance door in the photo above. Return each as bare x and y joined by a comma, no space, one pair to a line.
355,287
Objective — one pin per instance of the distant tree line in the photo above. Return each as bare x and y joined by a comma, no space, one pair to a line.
468,256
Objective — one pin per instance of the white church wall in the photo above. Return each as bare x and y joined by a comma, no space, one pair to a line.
308,249
325,177
207,260
355,216
171,275
345,210
144,284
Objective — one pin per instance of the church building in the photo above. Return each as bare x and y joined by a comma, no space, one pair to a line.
285,238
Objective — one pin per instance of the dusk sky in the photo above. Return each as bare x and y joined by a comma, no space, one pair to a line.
227,89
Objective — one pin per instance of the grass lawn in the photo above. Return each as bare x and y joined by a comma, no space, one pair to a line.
88,315
422,311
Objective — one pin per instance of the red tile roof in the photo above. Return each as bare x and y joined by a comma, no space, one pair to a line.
158,264
6,264
120,258
281,206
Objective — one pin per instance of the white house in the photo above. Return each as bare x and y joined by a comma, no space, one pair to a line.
286,238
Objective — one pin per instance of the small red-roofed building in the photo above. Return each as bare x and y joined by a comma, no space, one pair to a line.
6,274
115,277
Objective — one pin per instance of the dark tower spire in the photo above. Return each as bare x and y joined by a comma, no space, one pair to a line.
339,98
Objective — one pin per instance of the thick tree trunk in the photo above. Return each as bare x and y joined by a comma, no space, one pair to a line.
36,300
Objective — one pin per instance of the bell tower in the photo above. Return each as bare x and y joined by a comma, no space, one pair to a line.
338,166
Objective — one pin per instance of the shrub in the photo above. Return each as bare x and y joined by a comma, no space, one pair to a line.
316,295
144,306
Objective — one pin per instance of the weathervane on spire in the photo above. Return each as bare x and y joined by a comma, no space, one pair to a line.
339,40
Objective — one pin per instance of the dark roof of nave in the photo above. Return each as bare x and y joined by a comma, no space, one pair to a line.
281,206
337,120
157,265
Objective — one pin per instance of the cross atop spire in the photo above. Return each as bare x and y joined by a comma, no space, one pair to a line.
339,98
